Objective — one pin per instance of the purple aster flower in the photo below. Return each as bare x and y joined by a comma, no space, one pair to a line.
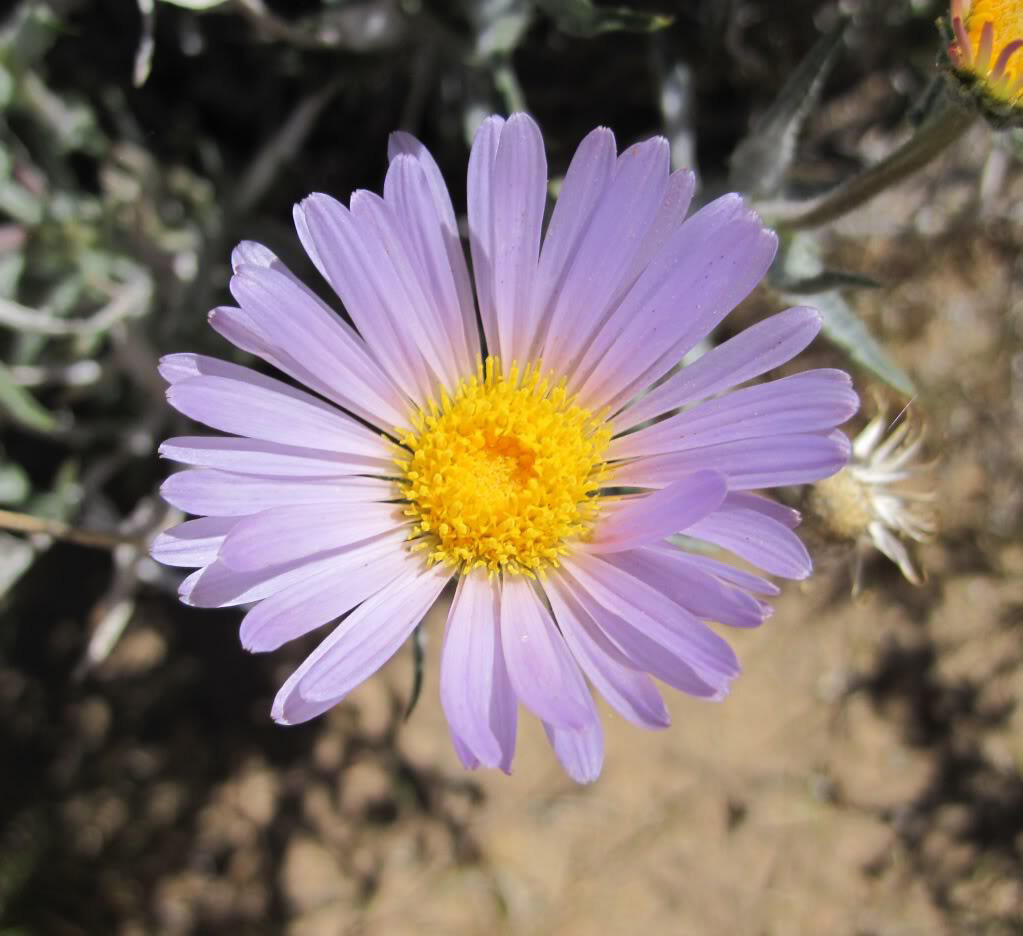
533,463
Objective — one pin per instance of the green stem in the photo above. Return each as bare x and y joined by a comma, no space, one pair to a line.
936,135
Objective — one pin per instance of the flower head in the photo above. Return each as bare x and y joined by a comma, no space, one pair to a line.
529,461
879,499
987,35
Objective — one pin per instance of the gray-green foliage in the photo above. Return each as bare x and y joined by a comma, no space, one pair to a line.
800,276
585,19
77,280
759,168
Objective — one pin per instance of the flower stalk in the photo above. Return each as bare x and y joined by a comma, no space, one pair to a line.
935,136
28,523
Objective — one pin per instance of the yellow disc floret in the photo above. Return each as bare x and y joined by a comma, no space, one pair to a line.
986,55
1005,17
502,474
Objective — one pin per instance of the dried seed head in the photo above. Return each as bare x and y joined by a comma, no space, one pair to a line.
883,498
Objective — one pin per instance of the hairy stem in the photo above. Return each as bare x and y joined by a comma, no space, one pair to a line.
936,135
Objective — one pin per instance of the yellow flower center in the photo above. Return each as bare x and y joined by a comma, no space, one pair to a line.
502,474
1006,16
1006,19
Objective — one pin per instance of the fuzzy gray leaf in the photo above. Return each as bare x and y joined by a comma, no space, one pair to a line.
825,281
24,408
798,264
582,18
847,330
762,159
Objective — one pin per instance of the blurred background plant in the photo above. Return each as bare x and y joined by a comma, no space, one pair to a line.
144,788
